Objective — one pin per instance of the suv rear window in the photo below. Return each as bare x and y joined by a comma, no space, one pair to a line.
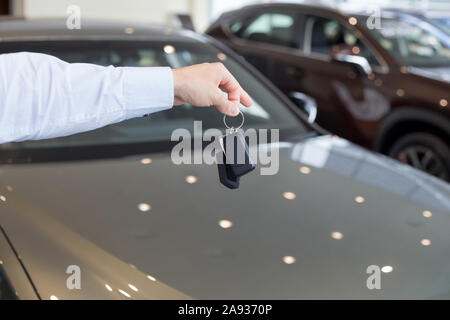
272,28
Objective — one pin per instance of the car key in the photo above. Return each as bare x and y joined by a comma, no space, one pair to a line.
226,176
237,153
234,159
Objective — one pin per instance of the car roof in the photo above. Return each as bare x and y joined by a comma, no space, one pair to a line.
49,29
324,9
310,8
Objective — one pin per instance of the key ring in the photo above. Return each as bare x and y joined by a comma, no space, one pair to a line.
233,128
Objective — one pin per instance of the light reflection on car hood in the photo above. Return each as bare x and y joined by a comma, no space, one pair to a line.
438,73
86,214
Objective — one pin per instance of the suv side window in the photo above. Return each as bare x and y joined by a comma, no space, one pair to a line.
323,34
271,28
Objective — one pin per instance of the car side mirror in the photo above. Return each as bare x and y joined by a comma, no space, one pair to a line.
306,103
344,55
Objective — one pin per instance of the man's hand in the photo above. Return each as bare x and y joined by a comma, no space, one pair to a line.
204,84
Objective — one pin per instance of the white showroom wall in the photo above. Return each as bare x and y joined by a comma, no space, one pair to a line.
144,11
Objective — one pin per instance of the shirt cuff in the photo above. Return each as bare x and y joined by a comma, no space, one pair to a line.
147,90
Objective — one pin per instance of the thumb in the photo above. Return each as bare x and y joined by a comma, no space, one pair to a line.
225,106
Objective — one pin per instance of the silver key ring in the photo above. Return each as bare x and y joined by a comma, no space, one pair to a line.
233,128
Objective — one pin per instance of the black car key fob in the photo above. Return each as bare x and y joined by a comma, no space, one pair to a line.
237,153
226,176
234,160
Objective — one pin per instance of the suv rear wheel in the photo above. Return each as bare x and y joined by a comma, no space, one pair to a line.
425,152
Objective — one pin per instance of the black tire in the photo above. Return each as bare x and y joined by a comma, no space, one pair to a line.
425,152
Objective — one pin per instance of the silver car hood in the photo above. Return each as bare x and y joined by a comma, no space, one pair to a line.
86,214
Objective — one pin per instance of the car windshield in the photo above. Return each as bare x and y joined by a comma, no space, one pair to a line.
413,44
267,112
443,23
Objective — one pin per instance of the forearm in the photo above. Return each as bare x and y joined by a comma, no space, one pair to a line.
44,97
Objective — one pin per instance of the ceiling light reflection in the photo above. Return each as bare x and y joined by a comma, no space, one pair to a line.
305,170
289,259
126,294
169,49
425,242
146,161
222,56
353,21
191,179
443,103
133,287
54,298
225,224
427,214
2,198
151,278
289,195
9,188
359,199
387,269
337,235
108,287
144,207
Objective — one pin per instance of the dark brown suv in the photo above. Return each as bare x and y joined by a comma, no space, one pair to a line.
380,81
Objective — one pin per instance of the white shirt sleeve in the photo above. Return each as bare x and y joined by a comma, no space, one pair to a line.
44,97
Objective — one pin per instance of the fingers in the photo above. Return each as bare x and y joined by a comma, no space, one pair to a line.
202,84
224,105
229,84
245,98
